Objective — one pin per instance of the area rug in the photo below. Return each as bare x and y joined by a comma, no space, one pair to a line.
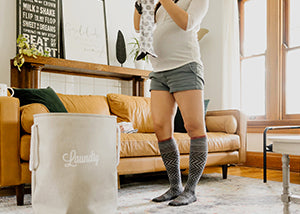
234,195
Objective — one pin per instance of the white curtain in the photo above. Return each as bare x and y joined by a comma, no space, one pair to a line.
231,55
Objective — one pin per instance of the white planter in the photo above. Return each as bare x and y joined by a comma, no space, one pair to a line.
140,64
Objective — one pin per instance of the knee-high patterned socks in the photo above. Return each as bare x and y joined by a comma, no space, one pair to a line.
198,157
170,155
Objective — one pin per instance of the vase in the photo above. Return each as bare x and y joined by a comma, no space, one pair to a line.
140,64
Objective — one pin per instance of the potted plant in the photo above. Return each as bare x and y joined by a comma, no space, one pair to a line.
26,49
140,64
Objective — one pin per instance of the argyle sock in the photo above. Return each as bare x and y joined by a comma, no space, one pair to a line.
198,156
170,155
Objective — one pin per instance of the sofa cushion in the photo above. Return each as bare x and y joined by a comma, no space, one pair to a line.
45,96
27,113
224,123
138,145
217,142
25,147
132,109
141,145
222,142
146,145
91,104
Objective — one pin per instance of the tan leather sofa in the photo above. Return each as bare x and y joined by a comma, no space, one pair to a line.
139,151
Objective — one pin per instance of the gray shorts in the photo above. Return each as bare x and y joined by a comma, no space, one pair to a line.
186,77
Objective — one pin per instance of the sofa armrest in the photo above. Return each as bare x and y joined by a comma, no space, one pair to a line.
10,168
241,128
27,113
224,123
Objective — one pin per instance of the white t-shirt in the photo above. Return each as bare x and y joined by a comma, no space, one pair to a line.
173,45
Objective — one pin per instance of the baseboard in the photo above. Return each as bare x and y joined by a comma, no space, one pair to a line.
255,159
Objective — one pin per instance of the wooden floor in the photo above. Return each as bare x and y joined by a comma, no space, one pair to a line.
251,172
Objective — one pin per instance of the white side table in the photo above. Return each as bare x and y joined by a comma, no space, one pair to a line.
286,145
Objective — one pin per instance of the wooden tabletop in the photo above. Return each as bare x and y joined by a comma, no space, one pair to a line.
286,144
30,75
51,63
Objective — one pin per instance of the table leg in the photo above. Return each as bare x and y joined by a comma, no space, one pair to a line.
285,197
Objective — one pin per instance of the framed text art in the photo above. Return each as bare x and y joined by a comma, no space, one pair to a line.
39,22
84,30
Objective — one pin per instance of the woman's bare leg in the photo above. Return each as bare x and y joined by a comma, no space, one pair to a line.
191,106
163,109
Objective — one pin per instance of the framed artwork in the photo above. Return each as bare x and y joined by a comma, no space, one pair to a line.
84,31
39,22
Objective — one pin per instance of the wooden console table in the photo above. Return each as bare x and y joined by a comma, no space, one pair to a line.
30,76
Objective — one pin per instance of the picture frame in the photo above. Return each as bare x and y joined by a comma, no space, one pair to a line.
85,31
40,23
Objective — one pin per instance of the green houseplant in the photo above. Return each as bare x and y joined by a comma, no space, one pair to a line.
25,49
134,53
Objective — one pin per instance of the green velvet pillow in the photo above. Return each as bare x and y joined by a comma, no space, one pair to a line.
178,121
45,96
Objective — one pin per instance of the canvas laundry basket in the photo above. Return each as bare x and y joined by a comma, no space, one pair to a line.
74,160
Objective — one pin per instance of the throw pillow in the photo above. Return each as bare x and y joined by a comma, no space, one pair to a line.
178,121
45,96
132,109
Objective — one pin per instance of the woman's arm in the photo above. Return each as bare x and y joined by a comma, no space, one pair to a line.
137,15
179,16
186,19
136,20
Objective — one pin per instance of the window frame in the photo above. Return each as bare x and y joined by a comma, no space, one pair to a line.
285,50
277,36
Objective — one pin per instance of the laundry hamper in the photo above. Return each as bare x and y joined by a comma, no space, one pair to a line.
74,160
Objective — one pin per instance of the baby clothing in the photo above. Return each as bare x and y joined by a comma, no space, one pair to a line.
146,29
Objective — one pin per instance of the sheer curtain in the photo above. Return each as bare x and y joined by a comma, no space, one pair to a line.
231,56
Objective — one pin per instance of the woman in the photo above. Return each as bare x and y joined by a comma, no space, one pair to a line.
177,77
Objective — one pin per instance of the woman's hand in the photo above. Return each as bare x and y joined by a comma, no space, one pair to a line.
179,16
138,7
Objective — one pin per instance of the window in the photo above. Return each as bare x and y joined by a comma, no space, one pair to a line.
270,61
291,51
253,56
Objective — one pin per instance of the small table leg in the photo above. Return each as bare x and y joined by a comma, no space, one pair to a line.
285,197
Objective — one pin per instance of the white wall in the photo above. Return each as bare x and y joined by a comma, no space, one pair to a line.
211,46
255,142
7,37
220,54
120,17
